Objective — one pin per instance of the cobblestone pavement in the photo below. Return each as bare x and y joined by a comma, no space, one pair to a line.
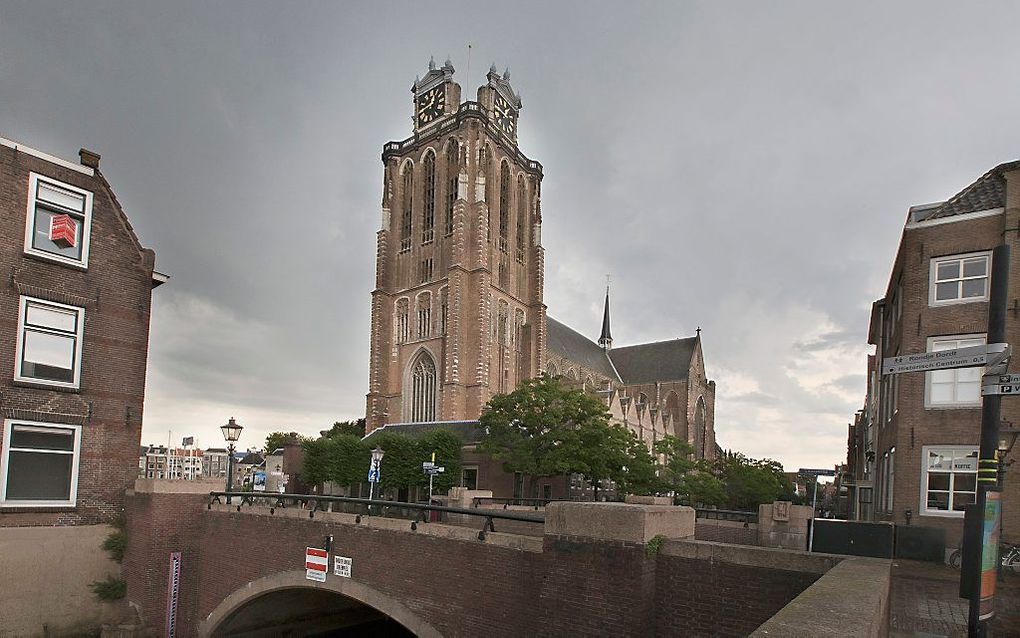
925,602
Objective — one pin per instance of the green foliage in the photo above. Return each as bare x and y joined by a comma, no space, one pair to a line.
701,488
544,429
277,440
641,473
653,546
342,459
116,544
352,428
750,482
110,589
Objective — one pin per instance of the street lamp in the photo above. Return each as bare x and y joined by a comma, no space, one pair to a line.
373,472
231,433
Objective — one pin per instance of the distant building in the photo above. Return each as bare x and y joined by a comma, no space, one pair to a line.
175,463
214,462
913,454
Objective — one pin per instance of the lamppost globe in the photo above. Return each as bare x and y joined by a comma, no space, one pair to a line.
377,455
231,431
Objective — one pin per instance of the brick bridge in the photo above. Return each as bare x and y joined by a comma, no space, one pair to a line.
588,571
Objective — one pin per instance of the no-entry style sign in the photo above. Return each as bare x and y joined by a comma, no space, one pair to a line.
316,564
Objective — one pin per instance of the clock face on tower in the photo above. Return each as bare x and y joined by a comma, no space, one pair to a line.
504,114
431,105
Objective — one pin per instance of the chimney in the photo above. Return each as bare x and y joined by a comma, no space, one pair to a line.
89,158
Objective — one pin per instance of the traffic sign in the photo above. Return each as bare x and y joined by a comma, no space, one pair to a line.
1000,388
342,566
373,475
316,564
968,357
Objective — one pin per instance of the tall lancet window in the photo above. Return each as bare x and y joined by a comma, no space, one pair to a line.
504,205
423,388
452,177
428,220
405,213
522,216
484,166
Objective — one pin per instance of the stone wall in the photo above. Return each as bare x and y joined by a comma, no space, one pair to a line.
733,532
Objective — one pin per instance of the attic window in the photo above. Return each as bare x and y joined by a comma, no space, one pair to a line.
59,221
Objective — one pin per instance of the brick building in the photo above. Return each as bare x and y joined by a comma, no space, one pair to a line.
913,448
74,331
458,309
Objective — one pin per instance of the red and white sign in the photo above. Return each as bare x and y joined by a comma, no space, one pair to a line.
316,564
63,231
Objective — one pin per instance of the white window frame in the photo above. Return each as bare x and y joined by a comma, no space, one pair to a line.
923,505
927,375
933,273
79,344
86,230
5,463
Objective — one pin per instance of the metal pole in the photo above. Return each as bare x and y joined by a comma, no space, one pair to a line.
990,415
814,501
230,470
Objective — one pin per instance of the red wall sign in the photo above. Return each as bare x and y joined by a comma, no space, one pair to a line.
63,231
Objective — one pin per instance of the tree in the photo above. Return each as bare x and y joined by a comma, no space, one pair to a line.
750,482
341,459
545,429
353,428
641,473
277,440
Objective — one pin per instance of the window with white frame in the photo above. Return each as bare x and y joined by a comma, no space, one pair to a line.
959,279
948,479
59,221
49,343
959,387
39,464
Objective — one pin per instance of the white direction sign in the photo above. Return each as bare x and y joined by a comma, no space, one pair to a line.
1000,384
342,566
969,357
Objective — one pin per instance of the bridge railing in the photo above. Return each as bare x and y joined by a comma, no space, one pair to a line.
738,516
415,512
486,502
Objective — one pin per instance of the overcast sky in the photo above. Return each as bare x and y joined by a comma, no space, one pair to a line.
742,167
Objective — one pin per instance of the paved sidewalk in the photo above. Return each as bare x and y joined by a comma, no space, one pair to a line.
925,602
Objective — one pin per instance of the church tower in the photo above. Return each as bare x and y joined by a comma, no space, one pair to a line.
457,309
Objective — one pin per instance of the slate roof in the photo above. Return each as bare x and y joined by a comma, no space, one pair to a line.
468,431
650,362
253,458
572,345
989,191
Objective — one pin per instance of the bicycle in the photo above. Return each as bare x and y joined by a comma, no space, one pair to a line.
1009,558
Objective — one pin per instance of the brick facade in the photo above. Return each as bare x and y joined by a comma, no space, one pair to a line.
115,292
898,416
458,585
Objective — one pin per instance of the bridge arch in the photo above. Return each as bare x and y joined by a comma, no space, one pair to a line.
295,579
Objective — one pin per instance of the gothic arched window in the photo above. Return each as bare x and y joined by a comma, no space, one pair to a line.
673,410
504,205
518,328
503,321
444,309
522,215
423,388
429,209
700,428
424,308
402,323
405,213
452,176
550,369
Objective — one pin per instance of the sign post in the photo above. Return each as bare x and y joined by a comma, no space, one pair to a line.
814,474
430,468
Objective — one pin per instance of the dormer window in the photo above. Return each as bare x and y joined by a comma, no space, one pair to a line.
59,221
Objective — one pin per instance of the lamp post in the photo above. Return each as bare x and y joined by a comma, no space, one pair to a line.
231,433
373,470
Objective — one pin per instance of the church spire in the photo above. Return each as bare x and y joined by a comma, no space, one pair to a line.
606,339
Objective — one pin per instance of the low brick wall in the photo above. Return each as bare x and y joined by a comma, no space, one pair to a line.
851,600
733,532
714,589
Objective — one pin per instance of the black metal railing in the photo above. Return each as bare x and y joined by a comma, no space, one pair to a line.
726,515
415,512
535,503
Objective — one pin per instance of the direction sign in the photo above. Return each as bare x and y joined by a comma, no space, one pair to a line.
942,360
1000,388
373,475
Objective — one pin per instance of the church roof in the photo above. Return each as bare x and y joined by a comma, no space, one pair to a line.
988,192
578,348
650,362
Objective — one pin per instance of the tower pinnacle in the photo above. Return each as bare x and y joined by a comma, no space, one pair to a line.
606,338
